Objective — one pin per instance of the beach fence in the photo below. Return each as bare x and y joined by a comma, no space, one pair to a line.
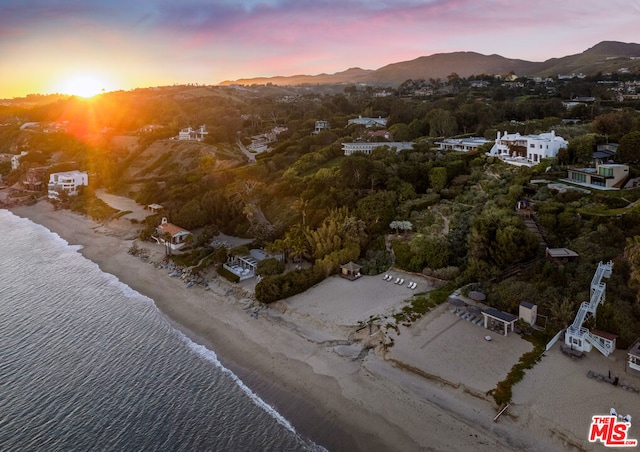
553,341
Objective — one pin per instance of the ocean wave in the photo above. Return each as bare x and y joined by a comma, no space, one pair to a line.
210,355
37,227
126,290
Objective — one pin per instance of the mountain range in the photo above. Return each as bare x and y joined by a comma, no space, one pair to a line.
605,57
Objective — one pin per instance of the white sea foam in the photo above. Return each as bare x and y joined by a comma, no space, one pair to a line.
210,355
126,290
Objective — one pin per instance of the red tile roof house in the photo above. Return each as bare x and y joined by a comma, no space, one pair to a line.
178,235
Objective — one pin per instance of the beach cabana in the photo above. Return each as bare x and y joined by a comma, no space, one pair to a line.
498,320
155,208
350,271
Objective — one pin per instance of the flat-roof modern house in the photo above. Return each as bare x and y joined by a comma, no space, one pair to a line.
461,144
606,176
369,122
365,147
527,150
67,182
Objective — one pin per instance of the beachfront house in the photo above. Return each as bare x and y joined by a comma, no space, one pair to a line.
35,178
527,150
171,235
67,182
244,267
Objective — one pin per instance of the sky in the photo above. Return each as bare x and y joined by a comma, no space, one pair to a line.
76,46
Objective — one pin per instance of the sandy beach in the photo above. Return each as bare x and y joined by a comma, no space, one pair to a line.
428,392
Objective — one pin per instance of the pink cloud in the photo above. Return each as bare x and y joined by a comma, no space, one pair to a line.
215,40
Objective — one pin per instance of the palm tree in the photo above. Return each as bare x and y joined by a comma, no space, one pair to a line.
166,236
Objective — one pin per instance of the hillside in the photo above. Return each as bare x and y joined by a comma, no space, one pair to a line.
607,56
178,157
441,65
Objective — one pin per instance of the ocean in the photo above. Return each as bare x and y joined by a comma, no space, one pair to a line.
87,363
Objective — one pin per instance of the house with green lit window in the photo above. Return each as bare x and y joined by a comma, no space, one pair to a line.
605,176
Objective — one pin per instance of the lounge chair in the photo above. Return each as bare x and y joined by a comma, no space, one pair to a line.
410,284
397,281
414,285
385,277
401,282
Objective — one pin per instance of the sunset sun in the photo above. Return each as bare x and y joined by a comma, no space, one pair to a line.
84,86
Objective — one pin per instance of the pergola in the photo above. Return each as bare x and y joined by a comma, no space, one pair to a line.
493,317
155,208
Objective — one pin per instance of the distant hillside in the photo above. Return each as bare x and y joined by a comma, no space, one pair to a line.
352,75
607,56
441,65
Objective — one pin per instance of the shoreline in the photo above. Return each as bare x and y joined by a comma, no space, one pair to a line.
337,402
259,368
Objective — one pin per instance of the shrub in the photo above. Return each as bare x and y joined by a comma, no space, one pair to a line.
503,392
271,266
277,287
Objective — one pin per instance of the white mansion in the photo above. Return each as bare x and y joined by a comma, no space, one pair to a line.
527,150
